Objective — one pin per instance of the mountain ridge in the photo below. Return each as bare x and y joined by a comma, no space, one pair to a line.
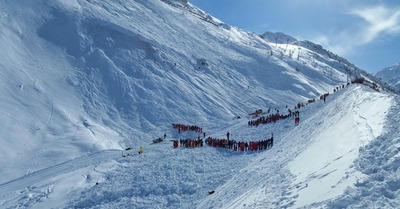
80,77
390,75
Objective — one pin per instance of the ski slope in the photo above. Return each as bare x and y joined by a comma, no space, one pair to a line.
83,80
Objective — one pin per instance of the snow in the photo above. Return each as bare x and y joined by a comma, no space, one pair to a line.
83,80
312,164
390,75
337,148
278,37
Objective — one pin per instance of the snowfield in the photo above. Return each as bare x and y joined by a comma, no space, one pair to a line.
81,81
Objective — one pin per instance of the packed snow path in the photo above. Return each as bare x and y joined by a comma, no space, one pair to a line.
7,189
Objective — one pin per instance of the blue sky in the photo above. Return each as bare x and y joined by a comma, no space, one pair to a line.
365,32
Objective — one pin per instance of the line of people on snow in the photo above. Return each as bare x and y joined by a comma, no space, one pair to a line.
233,144
272,118
183,127
336,89
240,145
339,88
188,143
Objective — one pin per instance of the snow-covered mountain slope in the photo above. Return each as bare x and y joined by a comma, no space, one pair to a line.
390,75
312,165
102,72
82,78
316,164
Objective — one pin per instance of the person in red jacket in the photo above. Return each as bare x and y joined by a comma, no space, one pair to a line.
297,120
255,146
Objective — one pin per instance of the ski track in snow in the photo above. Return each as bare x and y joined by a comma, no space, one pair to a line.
50,115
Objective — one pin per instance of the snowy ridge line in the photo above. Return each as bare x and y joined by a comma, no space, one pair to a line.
194,13
62,168
203,18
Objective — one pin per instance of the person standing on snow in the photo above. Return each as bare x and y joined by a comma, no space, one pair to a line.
272,139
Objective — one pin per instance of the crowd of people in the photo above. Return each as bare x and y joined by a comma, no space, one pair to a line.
272,115
298,106
240,145
188,143
324,96
183,127
272,118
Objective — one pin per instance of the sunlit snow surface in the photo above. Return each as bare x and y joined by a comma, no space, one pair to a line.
83,80
390,75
